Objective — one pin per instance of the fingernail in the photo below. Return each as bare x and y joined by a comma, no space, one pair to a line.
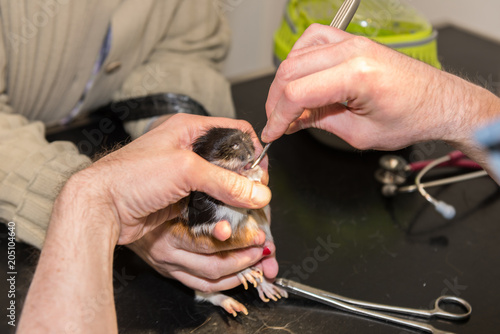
263,134
259,239
261,194
266,251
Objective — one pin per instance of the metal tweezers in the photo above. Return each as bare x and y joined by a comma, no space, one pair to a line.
366,308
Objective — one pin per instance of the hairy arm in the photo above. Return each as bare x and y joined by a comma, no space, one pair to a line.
107,204
72,289
393,101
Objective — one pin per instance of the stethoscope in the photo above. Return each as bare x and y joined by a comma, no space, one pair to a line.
395,170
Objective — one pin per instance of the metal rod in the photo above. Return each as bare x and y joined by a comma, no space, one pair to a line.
261,156
345,14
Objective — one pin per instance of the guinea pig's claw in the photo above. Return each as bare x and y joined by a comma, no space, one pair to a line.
250,275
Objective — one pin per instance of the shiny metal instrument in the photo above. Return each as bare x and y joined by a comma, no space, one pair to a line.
345,14
341,21
374,310
261,156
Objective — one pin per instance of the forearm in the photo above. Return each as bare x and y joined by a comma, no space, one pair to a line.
473,108
107,204
72,288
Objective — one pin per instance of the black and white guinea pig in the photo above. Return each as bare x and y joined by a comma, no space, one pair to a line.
232,149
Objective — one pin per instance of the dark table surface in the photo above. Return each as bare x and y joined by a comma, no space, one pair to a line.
334,230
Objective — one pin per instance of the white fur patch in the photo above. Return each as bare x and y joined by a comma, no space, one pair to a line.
254,174
235,216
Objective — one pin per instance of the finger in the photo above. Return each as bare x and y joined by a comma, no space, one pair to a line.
309,61
315,50
220,264
333,85
206,285
222,230
265,177
287,72
201,124
318,118
270,267
180,237
194,279
268,264
308,49
227,186
154,221
159,120
317,34
306,59
338,119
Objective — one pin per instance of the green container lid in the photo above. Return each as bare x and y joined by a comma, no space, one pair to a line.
392,23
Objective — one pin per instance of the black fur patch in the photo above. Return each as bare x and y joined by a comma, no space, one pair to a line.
228,148
225,144
201,209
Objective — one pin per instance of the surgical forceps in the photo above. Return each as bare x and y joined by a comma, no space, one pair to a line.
365,308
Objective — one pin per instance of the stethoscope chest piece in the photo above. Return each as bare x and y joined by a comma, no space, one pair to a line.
385,176
393,163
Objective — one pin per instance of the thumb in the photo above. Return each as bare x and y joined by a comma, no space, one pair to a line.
323,118
230,187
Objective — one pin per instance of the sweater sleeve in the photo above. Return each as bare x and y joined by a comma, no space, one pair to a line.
31,173
31,169
187,61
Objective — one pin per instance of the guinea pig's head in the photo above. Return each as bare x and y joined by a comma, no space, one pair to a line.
226,147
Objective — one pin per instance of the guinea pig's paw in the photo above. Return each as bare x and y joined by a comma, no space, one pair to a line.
268,290
232,306
251,275
229,304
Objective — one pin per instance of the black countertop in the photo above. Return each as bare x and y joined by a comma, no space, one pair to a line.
334,230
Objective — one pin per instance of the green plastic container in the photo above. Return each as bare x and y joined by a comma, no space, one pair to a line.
392,22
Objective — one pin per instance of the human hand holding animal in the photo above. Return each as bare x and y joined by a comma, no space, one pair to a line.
185,259
153,195
234,150
121,199
203,267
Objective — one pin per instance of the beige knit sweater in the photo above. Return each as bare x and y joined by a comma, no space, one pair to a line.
47,51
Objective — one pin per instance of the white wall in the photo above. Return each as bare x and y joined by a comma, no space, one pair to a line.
254,21
479,16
